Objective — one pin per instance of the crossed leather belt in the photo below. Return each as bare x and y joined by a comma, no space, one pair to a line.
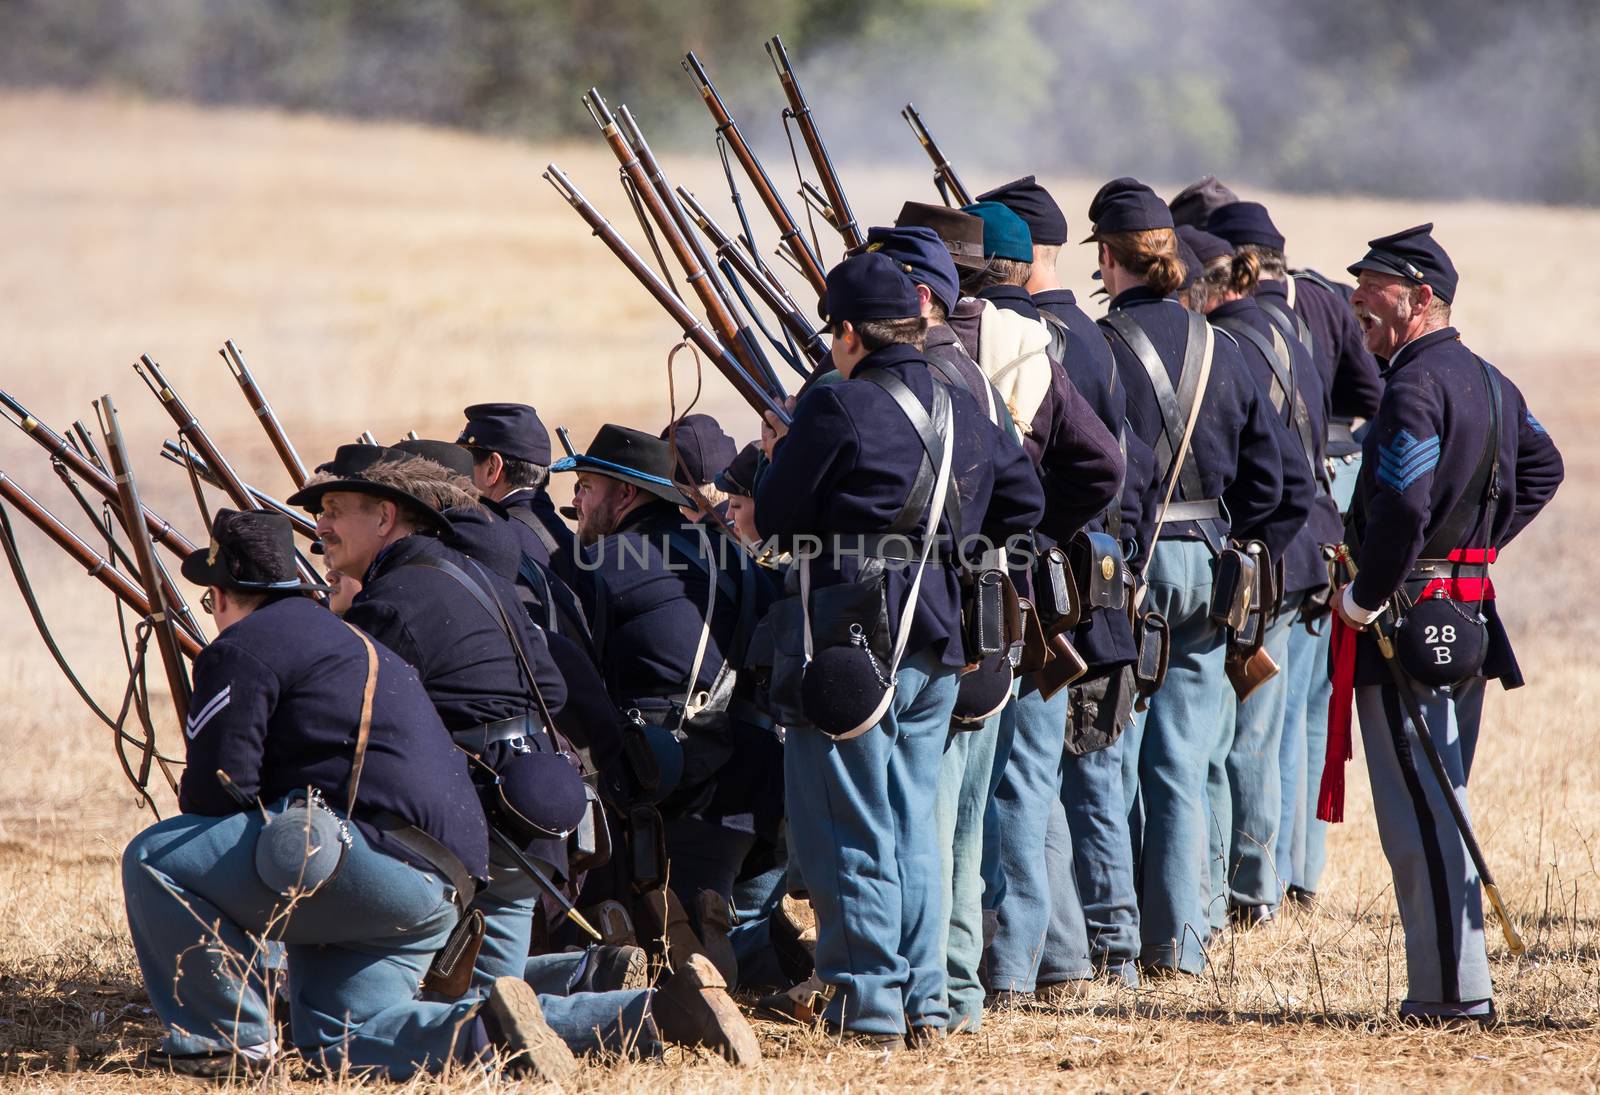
1207,509
526,725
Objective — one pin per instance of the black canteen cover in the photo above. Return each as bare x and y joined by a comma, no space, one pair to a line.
843,692
1441,642
982,692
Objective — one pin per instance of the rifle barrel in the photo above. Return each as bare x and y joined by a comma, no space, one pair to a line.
691,325
81,466
771,292
170,450
839,214
944,175
804,257
95,564
719,313
162,614
263,412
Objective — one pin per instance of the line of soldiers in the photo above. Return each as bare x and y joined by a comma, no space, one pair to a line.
803,716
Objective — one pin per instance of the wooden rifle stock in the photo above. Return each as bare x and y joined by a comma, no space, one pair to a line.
692,326
840,216
264,413
805,259
944,175
189,427
652,190
771,292
161,615
95,564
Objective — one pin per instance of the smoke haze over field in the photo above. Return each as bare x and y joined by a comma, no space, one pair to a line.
1435,97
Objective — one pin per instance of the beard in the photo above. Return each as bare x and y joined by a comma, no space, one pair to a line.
597,518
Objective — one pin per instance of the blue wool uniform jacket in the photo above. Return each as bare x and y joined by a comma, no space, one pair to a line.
1306,504
1420,455
277,703
1076,454
1349,371
563,562
1105,639
1235,443
656,604
461,652
847,466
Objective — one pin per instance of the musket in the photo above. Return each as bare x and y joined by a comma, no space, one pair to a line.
768,288
161,614
944,176
837,208
263,411
805,258
189,428
691,325
719,313
94,564
74,462
366,438
172,451
1419,722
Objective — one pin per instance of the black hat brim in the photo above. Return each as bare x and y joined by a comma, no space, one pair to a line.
310,498
196,570
579,462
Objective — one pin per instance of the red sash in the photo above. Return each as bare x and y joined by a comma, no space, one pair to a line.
1342,656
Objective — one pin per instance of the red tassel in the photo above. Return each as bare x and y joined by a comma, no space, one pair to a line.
1342,653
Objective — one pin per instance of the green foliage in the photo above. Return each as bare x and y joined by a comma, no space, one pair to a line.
1450,97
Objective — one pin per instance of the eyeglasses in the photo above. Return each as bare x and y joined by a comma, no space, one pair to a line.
208,603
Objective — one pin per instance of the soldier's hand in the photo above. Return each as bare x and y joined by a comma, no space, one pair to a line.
1339,606
772,428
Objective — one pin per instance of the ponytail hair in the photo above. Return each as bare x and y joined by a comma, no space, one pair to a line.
1245,273
1152,254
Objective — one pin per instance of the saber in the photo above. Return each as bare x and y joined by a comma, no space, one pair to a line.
543,881
1458,812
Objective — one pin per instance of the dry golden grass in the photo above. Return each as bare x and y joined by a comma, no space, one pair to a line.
384,276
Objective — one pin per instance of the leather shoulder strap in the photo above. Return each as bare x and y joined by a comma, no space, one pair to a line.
1289,322
1286,396
1175,404
933,445
364,727
1483,490
536,526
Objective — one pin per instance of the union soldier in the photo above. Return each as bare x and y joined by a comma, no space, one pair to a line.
1454,466
1245,781
738,482
1087,838
1230,485
703,448
297,715
490,676
1303,303
682,602
860,463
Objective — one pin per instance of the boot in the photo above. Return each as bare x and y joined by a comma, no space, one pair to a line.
692,1008
714,927
664,929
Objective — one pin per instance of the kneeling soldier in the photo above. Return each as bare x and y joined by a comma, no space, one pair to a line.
305,821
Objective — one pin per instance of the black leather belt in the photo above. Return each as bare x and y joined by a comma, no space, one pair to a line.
526,726
442,860
737,708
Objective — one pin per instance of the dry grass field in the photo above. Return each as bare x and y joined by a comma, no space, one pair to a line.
382,277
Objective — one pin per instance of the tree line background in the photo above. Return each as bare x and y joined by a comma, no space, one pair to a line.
1458,98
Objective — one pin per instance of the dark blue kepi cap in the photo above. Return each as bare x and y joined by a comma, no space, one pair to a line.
1205,246
1127,205
924,257
1245,222
511,429
1038,210
1191,262
704,448
869,286
1412,254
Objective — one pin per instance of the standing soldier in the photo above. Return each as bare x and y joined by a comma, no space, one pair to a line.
1088,829
1192,400
1454,467
873,469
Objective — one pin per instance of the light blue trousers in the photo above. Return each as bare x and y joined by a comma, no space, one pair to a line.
1165,760
357,949
1245,786
1302,839
1096,815
861,823
1026,799
589,1022
963,800
1435,883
